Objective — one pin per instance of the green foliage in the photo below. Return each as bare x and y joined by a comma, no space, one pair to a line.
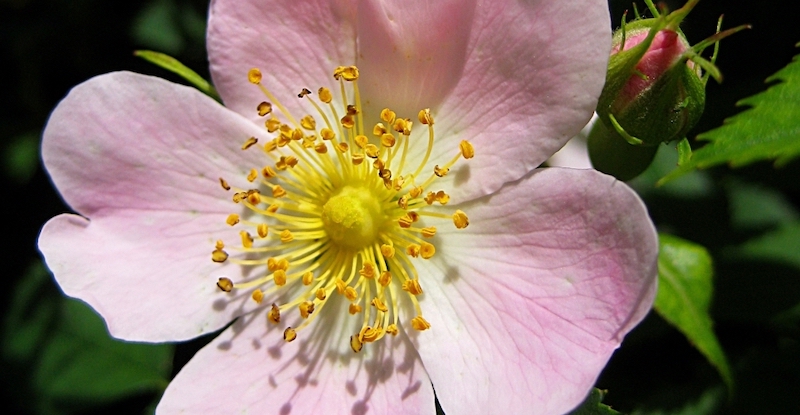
21,157
173,65
684,297
779,246
64,353
768,130
593,405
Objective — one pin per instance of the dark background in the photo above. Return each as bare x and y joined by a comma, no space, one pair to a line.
49,46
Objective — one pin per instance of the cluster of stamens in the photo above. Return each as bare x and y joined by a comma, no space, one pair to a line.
337,212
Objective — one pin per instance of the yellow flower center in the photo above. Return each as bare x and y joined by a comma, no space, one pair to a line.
336,212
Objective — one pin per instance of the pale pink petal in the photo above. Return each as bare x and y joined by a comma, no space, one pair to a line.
139,159
574,154
528,303
296,44
250,369
516,78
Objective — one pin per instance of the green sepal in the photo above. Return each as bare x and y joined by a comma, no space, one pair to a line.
610,153
173,65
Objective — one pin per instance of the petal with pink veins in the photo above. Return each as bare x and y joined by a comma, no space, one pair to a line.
250,369
139,159
517,78
538,291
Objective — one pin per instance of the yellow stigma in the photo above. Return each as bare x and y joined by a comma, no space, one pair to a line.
338,208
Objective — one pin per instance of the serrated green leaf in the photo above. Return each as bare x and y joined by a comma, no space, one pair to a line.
781,245
768,130
173,65
593,405
684,297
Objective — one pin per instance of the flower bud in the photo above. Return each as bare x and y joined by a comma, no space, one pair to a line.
654,91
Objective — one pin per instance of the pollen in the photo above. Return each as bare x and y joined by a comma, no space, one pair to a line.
345,199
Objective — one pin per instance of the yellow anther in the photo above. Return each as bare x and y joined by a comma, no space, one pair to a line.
357,158
348,121
405,221
420,324
247,240
321,148
219,255
440,171
429,232
272,124
403,203
262,229
399,125
387,251
286,131
355,343
306,308
308,122
271,145
414,216
327,134
268,172
361,140
467,151
286,162
303,93
274,314
425,116
224,184
264,108
348,73
442,197
388,140
397,183
392,329
354,308
387,116
252,176
272,208
278,191
308,278
225,284
386,175
290,334
325,95
413,250
321,294
279,276
254,76
249,143
430,198
272,264
407,127
254,198
286,236
379,129
350,293
340,286
385,279
378,164
232,219
367,271
416,191
371,334
239,196
282,263
219,244
412,287
342,147
377,303
427,250
258,296
371,150
460,219
297,134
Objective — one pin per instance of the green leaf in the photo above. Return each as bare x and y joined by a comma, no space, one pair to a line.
754,207
62,354
173,65
768,130
781,245
593,405
684,297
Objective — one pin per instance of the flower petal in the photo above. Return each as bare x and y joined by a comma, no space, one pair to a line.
140,158
296,44
536,293
249,368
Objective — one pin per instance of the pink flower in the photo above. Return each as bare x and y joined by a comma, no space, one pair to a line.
516,312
